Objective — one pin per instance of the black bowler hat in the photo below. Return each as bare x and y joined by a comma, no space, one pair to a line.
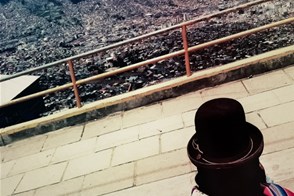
226,149
223,138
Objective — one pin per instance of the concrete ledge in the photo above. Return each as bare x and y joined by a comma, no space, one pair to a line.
206,78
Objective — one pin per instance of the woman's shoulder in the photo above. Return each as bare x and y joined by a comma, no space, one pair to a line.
271,189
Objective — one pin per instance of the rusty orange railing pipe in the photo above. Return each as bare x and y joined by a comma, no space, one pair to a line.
135,39
154,60
69,60
185,43
73,80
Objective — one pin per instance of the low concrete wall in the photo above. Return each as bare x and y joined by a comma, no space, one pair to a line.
206,78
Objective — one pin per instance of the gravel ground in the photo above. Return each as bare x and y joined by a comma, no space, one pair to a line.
34,32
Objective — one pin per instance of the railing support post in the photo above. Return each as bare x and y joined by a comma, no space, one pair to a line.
185,43
73,80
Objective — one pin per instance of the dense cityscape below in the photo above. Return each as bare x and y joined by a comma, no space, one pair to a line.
33,33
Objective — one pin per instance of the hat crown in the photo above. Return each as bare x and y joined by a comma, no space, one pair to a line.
220,128
222,112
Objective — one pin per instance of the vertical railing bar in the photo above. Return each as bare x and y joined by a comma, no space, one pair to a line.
134,39
75,87
185,43
150,61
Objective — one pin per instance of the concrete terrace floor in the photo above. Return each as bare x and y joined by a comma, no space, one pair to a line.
143,151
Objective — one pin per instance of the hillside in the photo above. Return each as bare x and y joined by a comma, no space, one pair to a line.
34,32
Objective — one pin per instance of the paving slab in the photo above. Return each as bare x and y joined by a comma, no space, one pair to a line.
290,71
109,180
5,168
234,90
255,119
163,125
179,185
31,162
27,193
23,148
279,166
142,115
181,104
102,126
8,185
77,149
267,82
278,114
69,187
41,177
285,94
117,138
162,166
135,150
188,118
64,136
259,101
176,139
88,164
278,137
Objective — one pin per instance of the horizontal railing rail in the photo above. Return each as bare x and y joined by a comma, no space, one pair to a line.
135,39
181,52
75,83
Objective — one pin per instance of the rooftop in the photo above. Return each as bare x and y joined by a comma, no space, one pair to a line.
143,151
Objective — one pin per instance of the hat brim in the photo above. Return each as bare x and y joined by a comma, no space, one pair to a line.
200,160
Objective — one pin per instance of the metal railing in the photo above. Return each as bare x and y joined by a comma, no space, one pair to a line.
183,26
